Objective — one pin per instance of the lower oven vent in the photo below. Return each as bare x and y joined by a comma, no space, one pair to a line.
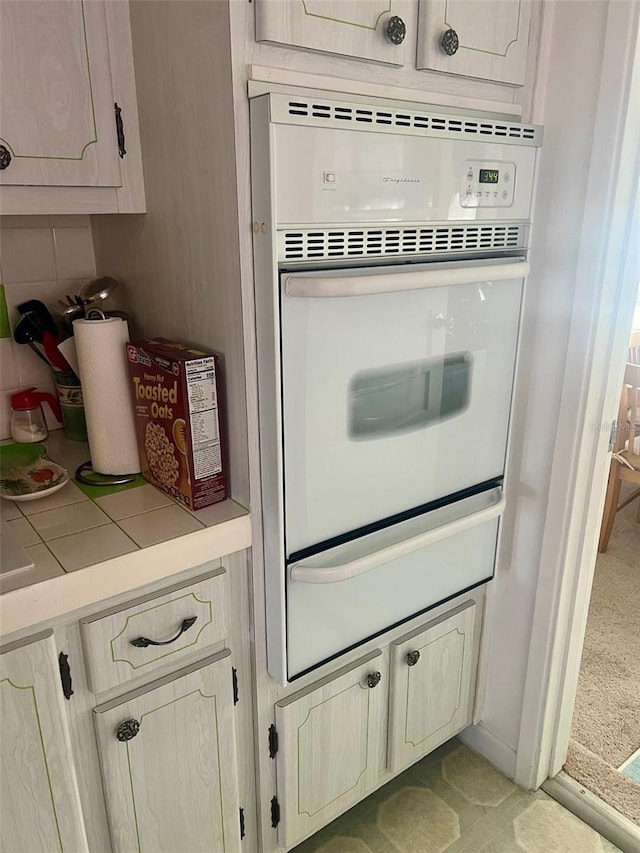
307,244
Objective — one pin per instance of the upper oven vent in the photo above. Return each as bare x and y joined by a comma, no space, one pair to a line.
384,242
321,112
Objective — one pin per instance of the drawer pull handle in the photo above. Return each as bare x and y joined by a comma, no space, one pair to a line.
413,658
143,642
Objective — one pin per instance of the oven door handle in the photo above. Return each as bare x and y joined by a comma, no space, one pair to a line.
314,285
343,571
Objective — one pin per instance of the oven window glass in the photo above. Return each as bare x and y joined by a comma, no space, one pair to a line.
410,396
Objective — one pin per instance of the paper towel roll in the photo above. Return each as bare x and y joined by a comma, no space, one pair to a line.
104,375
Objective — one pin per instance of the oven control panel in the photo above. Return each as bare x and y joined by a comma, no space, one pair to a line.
488,184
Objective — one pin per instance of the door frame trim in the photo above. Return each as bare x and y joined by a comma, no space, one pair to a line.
607,270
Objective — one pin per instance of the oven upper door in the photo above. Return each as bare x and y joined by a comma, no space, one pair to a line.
396,386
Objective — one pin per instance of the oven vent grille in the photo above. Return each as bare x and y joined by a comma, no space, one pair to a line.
302,245
360,116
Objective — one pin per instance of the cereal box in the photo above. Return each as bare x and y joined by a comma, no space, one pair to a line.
176,399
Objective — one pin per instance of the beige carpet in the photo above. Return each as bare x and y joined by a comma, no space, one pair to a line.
606,721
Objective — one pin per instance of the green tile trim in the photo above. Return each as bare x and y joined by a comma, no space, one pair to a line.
94,492
341,21
5,326
217,729
479,49
44,754
93,111
171,651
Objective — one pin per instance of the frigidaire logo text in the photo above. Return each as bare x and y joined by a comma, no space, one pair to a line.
402,180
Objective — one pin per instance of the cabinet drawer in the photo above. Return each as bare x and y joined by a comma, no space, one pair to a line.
131,640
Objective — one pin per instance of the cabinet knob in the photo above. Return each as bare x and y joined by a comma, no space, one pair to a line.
373,679
396,30
5,157
127,730
413,658
450,42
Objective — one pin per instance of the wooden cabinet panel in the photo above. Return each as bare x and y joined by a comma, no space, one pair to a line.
108,637
329,743
493,38
57,119
39,799
354,28
431,685
173,785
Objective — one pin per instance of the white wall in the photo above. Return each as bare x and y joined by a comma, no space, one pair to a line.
41,257
565,102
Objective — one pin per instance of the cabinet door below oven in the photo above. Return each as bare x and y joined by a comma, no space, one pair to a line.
432,679
330,742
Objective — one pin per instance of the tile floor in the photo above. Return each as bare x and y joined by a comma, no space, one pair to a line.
455,801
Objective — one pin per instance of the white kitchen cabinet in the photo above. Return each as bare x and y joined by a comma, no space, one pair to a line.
374,30
431,695
67,72
341,737
329,742
168,758
40,802
490,38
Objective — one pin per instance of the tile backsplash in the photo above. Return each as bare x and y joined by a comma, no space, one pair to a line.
41,257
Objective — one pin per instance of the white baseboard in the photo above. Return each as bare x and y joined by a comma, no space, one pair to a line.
501,755
614,826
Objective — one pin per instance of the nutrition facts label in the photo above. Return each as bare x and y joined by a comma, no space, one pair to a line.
203,414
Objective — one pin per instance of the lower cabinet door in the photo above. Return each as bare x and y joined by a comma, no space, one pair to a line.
329,743
40,808
432,680
168,759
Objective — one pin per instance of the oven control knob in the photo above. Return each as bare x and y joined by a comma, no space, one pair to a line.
449,42
373,679
413,658
396,30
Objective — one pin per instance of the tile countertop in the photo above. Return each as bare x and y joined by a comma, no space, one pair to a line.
86,550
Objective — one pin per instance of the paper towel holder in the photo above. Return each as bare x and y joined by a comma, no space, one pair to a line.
85,474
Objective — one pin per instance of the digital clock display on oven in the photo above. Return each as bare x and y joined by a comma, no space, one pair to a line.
488,176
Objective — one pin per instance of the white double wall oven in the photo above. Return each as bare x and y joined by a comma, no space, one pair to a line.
390,258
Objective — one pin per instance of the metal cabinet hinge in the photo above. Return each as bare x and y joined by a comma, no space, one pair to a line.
612,435
242,832
65,675
119,131
234,677
273,741
275,812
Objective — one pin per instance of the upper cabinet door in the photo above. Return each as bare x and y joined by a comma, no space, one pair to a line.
57,124
477,38
362,29
39,798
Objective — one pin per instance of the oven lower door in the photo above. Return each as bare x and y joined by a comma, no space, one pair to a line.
340,598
